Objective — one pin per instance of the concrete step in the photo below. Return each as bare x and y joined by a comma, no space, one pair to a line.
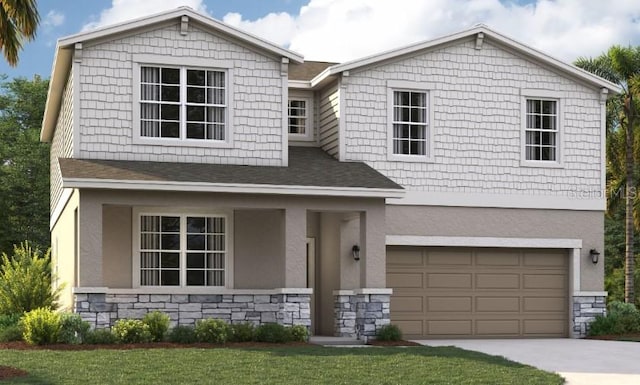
335,341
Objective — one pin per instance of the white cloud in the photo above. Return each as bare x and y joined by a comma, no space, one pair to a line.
122,10
53,19
339,30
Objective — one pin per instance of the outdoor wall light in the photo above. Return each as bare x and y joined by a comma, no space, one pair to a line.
355,250
595,255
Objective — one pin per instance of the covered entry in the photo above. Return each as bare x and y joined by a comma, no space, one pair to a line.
447,292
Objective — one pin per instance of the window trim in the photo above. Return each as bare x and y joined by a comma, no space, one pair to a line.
428,89
529,94
138,212
308,135
183,64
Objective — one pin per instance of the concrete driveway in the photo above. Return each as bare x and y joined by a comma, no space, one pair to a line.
580,362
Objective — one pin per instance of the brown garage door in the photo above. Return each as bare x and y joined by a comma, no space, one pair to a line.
478,293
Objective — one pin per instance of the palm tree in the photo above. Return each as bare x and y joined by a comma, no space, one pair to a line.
621,65
18,22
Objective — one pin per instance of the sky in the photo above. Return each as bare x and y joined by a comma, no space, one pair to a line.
343,30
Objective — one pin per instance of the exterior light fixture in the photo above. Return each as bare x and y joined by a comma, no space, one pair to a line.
355,250
595,255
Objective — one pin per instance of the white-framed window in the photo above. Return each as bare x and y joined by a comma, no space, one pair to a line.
542,123
410,120
300,118
181,250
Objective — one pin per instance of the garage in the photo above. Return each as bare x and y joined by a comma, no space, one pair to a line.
444,292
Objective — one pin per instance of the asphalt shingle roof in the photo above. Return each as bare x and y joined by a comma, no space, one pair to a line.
307,70
307,167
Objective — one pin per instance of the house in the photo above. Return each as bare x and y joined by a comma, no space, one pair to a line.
453,187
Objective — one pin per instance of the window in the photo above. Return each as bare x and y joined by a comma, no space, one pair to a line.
410,123
541,130
183,103
298,117
182,250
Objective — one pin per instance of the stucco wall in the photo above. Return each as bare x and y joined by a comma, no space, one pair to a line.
63,243
116,242
106,86
511,223
62,143
477,123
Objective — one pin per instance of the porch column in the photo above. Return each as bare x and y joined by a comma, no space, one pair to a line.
90,240
372,248
295,257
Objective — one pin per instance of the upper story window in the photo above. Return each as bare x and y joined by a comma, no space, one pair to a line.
183,103
541,130
300,118
410,123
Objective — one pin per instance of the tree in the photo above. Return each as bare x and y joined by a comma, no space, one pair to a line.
24,164
621,65
18,22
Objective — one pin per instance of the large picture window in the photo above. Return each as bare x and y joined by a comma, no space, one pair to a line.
410,123
183,103
541,130
182,250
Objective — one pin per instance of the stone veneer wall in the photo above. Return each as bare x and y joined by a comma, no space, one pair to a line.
585,310
102,310
361,315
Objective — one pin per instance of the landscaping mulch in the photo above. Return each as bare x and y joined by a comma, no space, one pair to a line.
393,343
151,345
7,372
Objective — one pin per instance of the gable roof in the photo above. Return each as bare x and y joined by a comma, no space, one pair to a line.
66,46
487,34
311,171
307,70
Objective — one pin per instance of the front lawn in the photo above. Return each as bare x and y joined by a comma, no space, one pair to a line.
285,365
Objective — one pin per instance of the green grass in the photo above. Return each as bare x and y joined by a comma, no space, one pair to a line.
286,365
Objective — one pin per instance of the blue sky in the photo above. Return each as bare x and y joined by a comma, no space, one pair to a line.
340,30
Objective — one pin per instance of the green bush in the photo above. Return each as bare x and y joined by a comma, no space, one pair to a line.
622,318
73,329
299,333
100,337
41,326
158,324
273,333
242,332
131,331
389,333
7,320
182,335
11,333
25,281
212,330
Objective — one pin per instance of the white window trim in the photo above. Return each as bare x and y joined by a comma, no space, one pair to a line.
396,85
183,64
137,212
308,135
542,95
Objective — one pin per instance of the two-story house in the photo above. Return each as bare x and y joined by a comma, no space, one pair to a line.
452,187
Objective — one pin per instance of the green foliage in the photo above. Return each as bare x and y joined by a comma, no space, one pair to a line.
73,329
9,320
25,281
622,318
299,333
11,333
242,332
131,331
182,334
212,330
100,337
24,164
273,333
389,333
41,326
158,324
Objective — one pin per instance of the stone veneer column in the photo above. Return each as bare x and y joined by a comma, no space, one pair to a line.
360,313
586,306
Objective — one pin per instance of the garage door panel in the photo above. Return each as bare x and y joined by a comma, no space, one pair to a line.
449,304
407,304
449,327
545,304
405,258
405,280
449,258
497,281
545,281
498,327
449,281
410,327
544,326
497,259
498,304
544,259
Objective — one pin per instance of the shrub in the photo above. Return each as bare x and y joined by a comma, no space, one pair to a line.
158,324
25,281
7,320
100,337
242,332
182,335
131,331
389,333
10,328
273,333
73,329
212,330
41,326
299,333
622,318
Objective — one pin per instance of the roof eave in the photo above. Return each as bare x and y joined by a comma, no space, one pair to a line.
59,71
